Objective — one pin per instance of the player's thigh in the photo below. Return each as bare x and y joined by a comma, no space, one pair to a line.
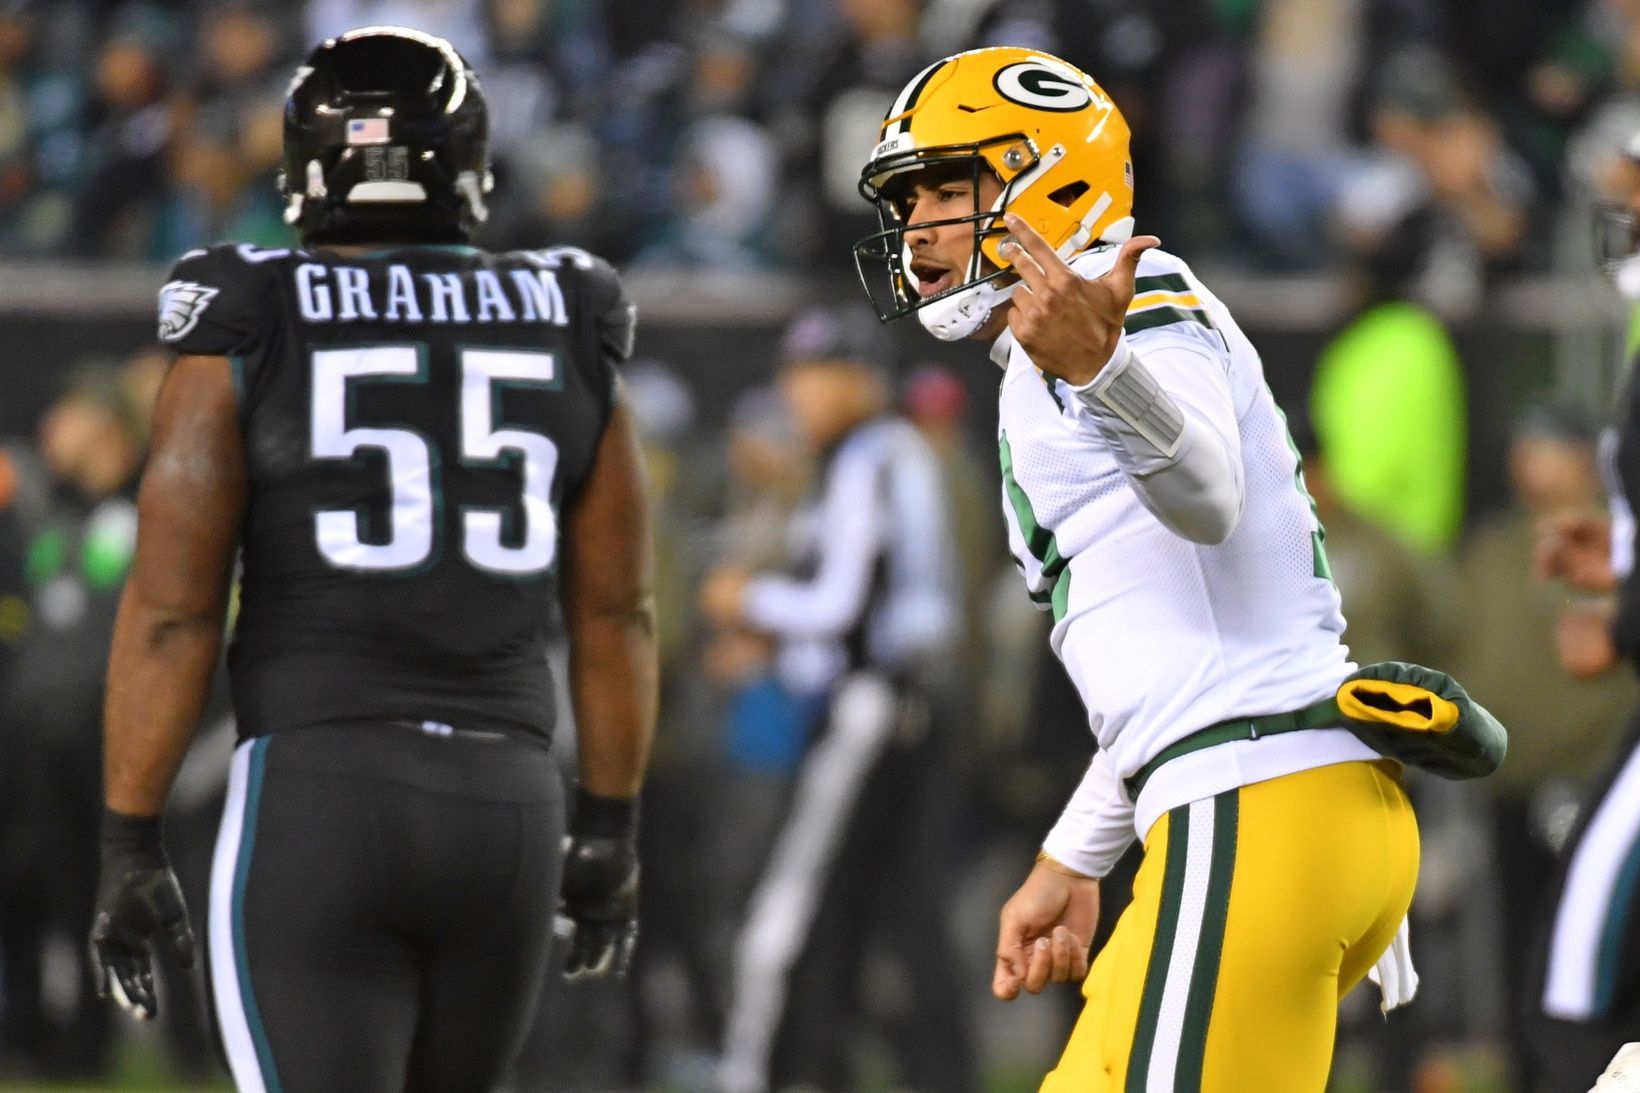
485,967
1095,1058
1224,973
312,994
1325,865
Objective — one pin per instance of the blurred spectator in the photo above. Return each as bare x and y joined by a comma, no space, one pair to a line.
765,725
140,377
40,143
551,190
76,564
225,160
548,78
1298,152
547,59
1387,404
726,186
1444,167
17,1039
1201,88
830,104
1388,591
1560,731
129,132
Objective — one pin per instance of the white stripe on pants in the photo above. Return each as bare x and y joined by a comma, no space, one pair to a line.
784,905
1198,866
230,1005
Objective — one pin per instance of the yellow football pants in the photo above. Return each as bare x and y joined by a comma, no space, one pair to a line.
1253,913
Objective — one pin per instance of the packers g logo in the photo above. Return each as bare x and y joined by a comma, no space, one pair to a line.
1041,86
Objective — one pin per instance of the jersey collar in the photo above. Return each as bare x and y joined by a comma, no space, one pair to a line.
1002,348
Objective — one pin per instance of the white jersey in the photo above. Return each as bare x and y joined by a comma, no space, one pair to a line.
1161,635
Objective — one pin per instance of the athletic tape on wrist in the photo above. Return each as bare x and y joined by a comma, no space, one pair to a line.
1126,389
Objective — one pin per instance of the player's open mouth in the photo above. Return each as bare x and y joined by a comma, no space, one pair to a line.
932,279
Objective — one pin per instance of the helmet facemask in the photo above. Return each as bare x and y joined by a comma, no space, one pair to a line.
883,260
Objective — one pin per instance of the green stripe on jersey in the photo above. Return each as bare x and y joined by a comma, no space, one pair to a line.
1038,539
1152,317
1166,282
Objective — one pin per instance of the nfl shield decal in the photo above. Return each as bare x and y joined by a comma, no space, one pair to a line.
181,303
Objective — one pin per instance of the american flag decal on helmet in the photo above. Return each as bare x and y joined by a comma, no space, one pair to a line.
1127,172
367,131
181,303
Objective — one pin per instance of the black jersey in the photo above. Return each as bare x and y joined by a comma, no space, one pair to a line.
415,421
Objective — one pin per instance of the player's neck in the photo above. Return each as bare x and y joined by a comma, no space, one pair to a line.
354,250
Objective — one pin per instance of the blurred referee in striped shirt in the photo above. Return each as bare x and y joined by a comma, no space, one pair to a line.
868,617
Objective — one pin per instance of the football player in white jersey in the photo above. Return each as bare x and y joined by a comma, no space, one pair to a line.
1155,506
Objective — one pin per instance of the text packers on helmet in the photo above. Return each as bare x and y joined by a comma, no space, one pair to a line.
1048,133
386,138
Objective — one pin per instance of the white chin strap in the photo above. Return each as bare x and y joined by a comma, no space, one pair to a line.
961,314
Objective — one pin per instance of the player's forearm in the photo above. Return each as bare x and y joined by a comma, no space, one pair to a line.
159,671
1096,825
1199,497
615,683
1169,419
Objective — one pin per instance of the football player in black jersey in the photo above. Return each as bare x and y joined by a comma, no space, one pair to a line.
415,448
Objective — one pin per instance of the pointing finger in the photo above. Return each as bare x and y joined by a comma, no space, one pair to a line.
1024,263
1037,247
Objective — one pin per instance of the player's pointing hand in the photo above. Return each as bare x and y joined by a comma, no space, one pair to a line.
1067,323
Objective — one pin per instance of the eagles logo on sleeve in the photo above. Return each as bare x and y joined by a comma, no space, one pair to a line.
181,303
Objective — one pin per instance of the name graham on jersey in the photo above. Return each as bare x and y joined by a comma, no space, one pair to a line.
344,294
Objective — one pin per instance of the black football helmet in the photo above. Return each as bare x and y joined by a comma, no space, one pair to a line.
386,138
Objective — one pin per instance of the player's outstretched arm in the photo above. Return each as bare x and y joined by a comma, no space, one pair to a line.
166,641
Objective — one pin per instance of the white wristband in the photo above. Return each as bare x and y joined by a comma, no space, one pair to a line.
1125,389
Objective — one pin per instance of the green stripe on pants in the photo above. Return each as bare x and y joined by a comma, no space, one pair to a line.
1161,950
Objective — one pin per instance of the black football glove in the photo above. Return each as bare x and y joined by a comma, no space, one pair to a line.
598,908
138,898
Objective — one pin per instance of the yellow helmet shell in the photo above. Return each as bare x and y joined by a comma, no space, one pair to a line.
1067,173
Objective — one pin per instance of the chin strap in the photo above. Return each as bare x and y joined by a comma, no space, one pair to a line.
960,314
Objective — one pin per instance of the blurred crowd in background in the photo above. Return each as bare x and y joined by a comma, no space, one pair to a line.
1276,134
1431,147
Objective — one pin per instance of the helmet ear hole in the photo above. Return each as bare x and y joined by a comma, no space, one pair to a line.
1068,194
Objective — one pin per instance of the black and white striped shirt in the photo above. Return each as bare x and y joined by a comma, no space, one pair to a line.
874,545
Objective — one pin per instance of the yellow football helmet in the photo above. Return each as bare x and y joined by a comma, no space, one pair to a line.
1048,133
